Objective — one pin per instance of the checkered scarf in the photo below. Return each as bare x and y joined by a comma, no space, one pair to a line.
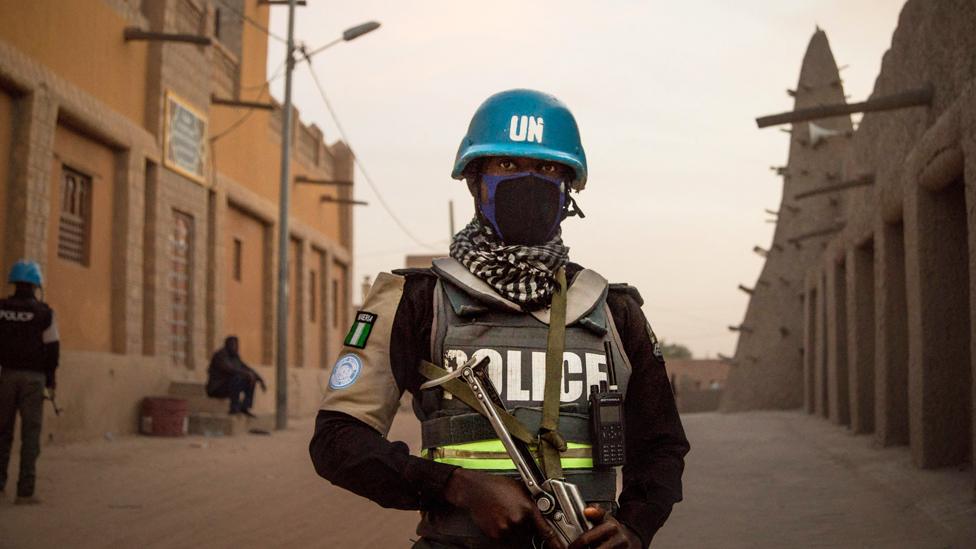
525,275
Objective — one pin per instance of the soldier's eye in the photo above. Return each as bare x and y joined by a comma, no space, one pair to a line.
548,168
506,164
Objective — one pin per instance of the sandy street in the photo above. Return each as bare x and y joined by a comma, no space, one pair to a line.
245,491
785,479
753,480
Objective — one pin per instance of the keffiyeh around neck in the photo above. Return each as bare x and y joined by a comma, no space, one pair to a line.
525,275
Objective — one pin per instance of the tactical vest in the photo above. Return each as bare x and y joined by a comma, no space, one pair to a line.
472,320
22,325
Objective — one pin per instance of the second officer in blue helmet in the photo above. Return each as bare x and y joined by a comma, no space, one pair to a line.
29,351
494,297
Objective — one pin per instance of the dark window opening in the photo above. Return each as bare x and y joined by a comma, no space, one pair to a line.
238,258
74,223
335,303
313,296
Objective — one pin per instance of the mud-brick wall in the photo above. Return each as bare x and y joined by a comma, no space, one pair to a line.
768,365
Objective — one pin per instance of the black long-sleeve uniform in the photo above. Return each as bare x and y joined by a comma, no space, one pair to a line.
356,457
29,335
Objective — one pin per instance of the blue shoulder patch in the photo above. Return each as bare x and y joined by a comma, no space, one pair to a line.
346,371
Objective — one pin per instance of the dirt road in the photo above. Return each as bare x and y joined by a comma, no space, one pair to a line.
245,491
753,480
785,479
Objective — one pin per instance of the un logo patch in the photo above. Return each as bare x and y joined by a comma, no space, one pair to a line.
345,372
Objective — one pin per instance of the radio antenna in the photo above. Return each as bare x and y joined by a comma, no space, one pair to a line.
611,369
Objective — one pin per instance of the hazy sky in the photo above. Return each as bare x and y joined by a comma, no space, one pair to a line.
665,94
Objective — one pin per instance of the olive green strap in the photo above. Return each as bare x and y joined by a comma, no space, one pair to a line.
550,441
463,392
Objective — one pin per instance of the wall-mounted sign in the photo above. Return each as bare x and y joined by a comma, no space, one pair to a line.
184,139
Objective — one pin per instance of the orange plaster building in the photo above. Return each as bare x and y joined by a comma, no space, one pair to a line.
152,207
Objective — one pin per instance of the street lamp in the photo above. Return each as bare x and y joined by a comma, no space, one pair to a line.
351,33
281,349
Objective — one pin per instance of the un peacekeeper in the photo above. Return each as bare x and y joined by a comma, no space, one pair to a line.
29,350
521,158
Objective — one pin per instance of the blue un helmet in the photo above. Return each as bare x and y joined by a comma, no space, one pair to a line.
28,272
523,123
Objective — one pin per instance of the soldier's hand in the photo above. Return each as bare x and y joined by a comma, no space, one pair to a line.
500,506
607,533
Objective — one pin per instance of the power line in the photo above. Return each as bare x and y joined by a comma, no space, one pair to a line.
265,88
255,24
359,164
243,118
278,73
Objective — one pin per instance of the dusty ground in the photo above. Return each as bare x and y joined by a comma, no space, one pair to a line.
785,479
753,480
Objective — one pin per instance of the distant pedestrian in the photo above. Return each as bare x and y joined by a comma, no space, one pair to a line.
29,351
229,377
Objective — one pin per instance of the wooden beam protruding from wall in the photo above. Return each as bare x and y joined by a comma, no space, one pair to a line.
912,98
862,181
135,33
819,232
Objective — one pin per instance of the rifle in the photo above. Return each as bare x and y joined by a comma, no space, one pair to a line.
559,501
49,395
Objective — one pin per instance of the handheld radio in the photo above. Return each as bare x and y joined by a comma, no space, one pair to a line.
606,418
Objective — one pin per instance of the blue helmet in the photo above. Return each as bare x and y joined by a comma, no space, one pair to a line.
24,271
523,123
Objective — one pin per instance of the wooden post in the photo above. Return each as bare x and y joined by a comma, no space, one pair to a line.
301,179
135,33
863,181
819,232
227,102
912,98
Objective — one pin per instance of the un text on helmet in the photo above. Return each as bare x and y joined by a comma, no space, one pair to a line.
526,128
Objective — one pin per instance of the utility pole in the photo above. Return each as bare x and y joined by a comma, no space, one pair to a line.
281,324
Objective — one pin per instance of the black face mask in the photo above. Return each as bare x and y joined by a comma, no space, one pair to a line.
525,209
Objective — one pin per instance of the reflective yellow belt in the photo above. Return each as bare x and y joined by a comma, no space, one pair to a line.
491,455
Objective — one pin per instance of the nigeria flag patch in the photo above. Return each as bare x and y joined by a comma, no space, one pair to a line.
359,333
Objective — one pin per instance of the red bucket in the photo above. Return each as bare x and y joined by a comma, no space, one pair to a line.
164,417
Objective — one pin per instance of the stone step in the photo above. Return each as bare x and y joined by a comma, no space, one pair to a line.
206,404
187,389
211,424
264,422
196,397
223,424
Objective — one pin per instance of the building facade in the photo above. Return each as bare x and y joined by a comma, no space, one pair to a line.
768,353
881,320
697,383
152,205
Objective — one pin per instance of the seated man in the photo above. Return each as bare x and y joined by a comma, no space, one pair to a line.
229,377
